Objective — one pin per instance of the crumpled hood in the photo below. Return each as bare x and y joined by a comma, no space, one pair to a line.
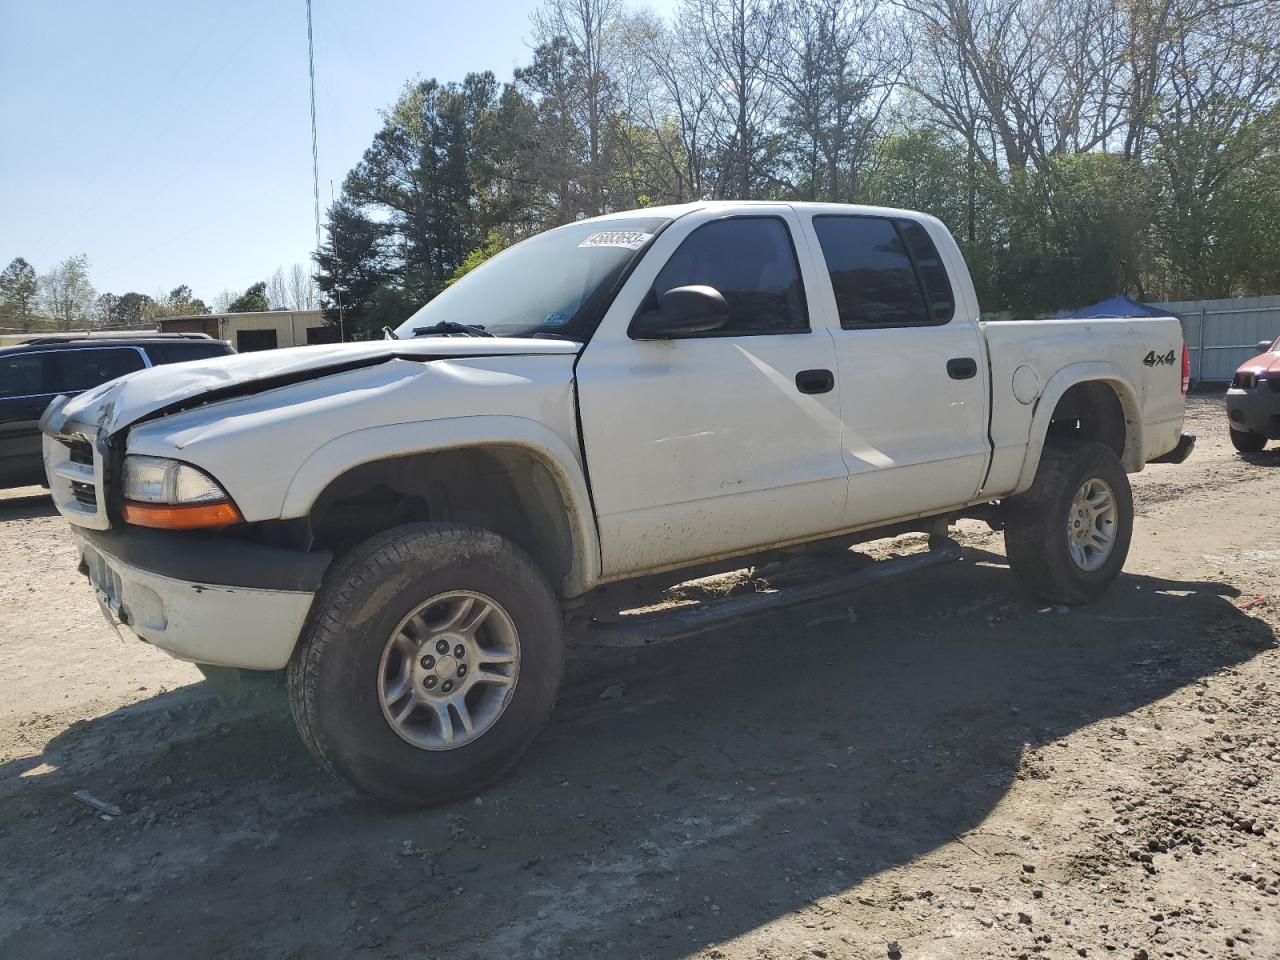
119,403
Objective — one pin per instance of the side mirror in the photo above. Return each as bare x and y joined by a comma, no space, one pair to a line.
1264,346
682,312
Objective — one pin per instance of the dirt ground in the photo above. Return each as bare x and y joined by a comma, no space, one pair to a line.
958,772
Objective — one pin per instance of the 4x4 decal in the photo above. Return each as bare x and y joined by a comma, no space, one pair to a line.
1153,359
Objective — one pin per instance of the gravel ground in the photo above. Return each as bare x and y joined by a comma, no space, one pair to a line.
958,772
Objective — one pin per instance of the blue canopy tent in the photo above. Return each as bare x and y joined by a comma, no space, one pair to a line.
1116,307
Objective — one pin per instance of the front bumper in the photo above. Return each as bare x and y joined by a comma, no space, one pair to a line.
208,598
1256,410
158,594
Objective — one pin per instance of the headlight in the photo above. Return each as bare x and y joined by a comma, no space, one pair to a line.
173,495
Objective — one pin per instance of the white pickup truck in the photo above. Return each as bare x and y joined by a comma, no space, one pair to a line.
405,524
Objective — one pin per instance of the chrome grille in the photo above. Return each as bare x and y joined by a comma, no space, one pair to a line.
74,470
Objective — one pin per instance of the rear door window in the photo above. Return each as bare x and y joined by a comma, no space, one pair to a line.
878,269
932,271
82,369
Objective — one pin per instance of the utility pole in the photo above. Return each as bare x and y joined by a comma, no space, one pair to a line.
315,152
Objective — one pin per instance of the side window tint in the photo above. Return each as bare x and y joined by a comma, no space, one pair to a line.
82,369
25,375
184,350
933,274
751,261
871,272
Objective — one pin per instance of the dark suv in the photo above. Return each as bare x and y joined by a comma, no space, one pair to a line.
33,373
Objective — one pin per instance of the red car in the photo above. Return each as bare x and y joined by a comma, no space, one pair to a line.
1253,401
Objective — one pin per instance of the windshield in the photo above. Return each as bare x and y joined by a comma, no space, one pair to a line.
552,284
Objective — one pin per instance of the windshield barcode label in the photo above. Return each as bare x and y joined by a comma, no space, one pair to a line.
631,239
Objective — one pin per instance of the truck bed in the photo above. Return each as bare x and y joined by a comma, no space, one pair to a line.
1032,362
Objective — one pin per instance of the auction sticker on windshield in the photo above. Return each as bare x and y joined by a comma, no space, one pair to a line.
631,239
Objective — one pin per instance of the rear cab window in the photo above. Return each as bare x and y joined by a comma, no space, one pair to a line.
885,272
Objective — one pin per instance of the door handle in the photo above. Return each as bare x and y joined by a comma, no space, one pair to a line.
815,381
962,368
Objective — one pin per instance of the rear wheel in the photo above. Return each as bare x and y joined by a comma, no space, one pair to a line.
1247,442
430,661
1067,537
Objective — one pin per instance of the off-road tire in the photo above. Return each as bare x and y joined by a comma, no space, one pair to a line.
1035,534
1247,441
333,674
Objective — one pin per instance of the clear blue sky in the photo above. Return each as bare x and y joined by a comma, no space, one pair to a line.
170,139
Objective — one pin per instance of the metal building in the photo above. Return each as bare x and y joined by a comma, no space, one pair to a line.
1222,334
256,331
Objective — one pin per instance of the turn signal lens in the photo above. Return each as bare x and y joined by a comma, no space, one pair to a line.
188,517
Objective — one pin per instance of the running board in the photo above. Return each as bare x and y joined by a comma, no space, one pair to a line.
638,630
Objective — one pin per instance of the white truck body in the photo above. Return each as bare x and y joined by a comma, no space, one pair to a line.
663,453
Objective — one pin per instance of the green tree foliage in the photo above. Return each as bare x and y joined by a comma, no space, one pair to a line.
180,302
106,309
18,289
421,176
582,36
450,163
253,300
135,309
126,310
66,293
1247,228
1075,149
493,245
354,270
558,161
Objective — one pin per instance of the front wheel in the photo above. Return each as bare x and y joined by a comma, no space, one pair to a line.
1068,535
430,661
1246,441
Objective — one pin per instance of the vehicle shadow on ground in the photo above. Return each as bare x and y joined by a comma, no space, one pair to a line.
26,506
1267,458
739,778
